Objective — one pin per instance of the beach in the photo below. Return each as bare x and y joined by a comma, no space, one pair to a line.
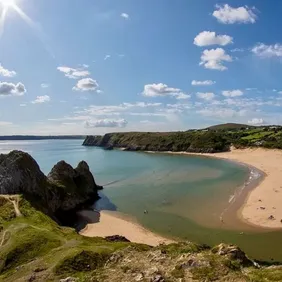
262,206
108,223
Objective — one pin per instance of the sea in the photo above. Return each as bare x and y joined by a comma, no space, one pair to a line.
183,197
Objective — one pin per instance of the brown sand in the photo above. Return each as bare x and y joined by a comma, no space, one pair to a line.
107,223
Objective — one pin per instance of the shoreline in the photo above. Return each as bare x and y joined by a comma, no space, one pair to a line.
263,200
109,223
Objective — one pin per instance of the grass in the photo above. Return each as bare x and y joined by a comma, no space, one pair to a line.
266,275
182,248
257,136
35,240
81,261
25,245
7,212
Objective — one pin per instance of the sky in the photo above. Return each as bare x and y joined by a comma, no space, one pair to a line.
97,66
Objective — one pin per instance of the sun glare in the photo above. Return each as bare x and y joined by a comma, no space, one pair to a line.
8,3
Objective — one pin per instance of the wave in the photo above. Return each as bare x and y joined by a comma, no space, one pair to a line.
254,175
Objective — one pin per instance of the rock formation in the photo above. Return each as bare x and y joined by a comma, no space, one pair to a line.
63,190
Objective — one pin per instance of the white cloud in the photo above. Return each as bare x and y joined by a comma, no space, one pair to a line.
256,121
232,93
44,85
141,105
5,123
203,82
11,89
206,96
106,123
221,113
268,51
6,72
162,90
107,57
229,15
214,58
73,73
206,38
182,96
22,105
86,84
237,50
125,16
41,99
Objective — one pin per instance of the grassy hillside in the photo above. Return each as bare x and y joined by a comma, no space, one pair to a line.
211,140
34,248
226,126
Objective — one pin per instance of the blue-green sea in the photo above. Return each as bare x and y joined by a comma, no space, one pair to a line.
187,197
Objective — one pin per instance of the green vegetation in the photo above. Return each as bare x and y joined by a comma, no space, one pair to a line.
33,244
210,140
192,141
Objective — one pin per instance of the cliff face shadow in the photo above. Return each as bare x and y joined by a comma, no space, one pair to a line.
85,217
104,203
92,214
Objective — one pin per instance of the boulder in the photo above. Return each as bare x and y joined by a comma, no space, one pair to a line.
116,238
233,253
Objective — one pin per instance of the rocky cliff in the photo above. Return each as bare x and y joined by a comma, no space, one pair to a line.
63,190
189,141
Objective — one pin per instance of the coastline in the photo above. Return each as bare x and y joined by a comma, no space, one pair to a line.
264,199
108,223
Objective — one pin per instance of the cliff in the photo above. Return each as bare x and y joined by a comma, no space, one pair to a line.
64,190
189,141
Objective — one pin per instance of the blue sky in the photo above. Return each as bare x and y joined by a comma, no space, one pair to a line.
96,66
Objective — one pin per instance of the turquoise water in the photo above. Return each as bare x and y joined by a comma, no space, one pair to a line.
185,196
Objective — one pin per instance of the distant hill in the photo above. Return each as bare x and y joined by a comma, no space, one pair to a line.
229,126
33,137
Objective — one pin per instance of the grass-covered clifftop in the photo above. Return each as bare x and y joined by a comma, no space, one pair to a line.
210,140
190,141
35,248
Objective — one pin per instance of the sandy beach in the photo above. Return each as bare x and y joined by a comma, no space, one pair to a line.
107,223
264,200
261,203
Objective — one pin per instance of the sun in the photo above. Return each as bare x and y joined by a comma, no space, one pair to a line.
8,3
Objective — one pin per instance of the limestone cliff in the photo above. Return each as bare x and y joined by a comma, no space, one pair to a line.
63,190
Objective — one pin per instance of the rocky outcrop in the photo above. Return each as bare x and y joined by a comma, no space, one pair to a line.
116,238
19,172
64,189
233,253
